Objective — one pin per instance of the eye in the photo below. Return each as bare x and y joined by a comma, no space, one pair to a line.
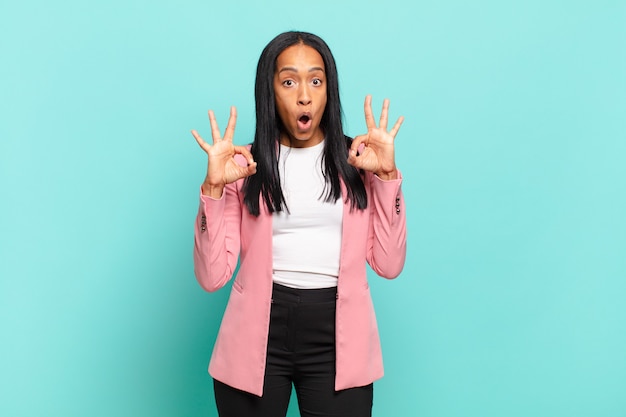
317,82
288,83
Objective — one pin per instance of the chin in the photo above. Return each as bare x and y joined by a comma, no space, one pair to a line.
299,136
302,137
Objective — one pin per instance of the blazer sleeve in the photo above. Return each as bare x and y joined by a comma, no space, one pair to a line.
217,238
386,246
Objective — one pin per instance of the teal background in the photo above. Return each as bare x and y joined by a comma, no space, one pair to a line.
512,302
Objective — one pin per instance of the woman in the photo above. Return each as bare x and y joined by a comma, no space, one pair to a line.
302,210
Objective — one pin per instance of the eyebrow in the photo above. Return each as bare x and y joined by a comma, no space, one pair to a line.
294,69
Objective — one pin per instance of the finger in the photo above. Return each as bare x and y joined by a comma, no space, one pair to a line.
384,114
354,147
396,127
229,133
357,141
251,169
243,150
215,130
200,141
369,115
353,160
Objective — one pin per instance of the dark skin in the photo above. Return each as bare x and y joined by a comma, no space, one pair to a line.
300,87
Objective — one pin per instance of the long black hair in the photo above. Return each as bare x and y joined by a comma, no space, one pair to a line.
264,149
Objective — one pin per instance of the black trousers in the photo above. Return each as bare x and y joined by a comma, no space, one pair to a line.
301,351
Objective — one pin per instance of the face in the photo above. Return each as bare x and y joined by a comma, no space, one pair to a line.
300,91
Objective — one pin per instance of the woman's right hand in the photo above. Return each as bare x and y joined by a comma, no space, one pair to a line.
222,168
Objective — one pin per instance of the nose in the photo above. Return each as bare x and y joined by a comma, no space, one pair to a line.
304,95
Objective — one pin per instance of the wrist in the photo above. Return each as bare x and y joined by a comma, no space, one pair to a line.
387,176
213,191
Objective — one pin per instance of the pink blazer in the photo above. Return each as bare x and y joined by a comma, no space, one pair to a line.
226,232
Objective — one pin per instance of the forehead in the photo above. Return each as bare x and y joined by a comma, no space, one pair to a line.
299,56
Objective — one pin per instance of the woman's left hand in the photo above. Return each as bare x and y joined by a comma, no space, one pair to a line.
377,153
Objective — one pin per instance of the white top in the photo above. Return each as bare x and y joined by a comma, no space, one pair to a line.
307,239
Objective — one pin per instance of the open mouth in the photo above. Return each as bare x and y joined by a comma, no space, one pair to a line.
304,122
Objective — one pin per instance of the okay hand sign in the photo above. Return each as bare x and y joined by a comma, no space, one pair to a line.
377,152
222,168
